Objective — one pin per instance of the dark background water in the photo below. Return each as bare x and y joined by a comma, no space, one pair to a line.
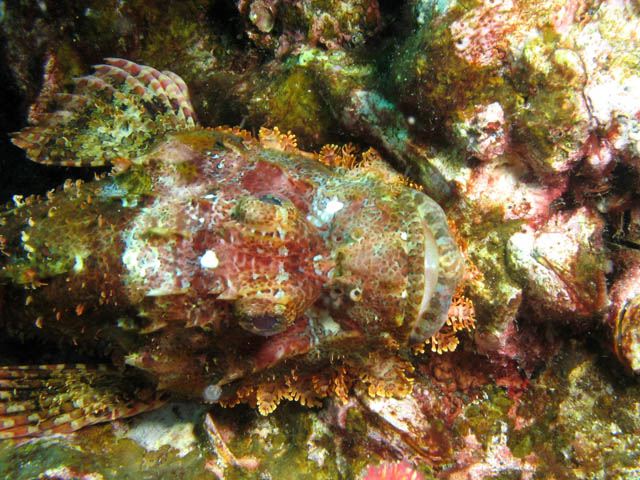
18,175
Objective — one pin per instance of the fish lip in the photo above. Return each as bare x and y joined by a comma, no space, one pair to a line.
433,310
430,270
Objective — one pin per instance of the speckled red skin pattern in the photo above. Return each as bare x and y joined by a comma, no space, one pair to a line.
210,263
117,266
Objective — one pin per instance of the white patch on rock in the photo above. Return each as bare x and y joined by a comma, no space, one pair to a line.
172,425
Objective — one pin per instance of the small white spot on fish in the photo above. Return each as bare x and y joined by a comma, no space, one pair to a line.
78,266
209,259
212,393
334,205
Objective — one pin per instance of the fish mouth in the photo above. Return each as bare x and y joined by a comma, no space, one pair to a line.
443,269
430,272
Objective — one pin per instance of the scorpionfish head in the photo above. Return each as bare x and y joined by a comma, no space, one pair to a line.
396,264
269,264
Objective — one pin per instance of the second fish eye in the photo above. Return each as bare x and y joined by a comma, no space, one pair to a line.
272,199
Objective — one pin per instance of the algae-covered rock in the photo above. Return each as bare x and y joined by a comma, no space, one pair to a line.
562,265
545,66
466,419
280,25
521,118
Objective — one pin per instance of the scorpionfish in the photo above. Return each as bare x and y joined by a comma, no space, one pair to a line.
209,263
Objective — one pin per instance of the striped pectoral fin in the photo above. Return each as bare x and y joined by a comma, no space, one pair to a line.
117,112
44,400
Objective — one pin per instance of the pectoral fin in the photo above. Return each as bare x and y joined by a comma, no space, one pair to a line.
44,400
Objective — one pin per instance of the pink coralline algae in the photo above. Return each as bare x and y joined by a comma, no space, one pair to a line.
392,471
562,265
496,460
482,34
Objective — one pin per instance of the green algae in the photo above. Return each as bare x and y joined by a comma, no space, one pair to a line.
544,433
187,171
176,28
285,443
339,72
292,102
307,93
549,81
356,423
426,63
578,419
486,419
134,181
98,450
494,296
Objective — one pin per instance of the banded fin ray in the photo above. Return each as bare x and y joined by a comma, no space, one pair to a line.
43,400
118,112
167,86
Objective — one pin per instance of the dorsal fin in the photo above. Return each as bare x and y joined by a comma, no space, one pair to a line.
117,112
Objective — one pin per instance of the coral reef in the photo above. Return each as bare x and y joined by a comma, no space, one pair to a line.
521,119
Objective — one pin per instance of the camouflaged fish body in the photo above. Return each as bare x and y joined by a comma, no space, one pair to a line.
210,264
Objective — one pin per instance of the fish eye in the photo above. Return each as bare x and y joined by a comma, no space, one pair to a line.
355,294
264,209
272,199
267,324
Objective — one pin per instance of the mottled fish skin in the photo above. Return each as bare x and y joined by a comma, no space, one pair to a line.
210,263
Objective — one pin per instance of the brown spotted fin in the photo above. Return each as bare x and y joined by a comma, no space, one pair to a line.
113,116
44,400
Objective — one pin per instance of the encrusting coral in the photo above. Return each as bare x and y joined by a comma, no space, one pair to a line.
520,119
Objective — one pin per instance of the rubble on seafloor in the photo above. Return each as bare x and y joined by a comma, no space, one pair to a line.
466,419
521,118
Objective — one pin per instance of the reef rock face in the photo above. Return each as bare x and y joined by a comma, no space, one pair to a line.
562,265
540,123
521,119
539,64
